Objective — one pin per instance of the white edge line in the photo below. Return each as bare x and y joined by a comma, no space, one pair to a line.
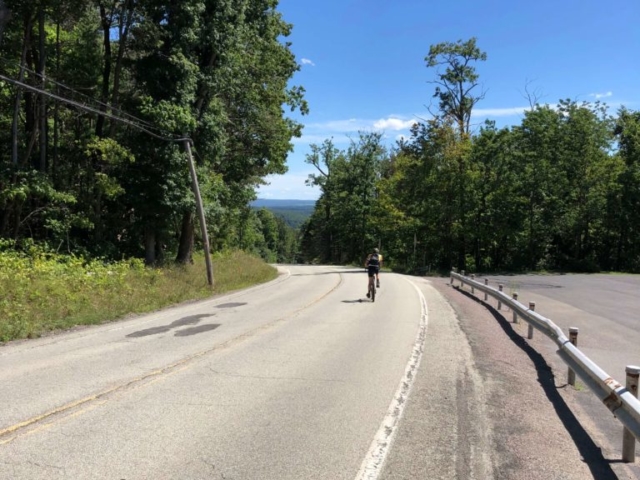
372,464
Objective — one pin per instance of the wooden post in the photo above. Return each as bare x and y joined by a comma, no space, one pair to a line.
203,223
515,315
532,307
573,338
628,440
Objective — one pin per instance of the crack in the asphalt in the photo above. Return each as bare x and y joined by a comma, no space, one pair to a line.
45,465
264,377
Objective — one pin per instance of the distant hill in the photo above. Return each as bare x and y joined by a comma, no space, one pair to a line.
294,212
268,203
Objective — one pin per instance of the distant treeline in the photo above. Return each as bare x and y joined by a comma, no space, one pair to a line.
293,212
559,191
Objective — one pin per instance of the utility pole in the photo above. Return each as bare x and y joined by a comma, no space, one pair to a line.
203,223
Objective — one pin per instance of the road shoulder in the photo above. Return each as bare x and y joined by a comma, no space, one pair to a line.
486,404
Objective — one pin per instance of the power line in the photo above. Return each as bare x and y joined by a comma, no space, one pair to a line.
92,110
90,99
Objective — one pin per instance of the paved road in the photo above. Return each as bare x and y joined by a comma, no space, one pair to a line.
606,309
296,379
301,378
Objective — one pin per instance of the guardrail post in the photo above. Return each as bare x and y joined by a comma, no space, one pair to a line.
515,315
473,277
486,282
573,338
628,440
462,272
532,307
500,287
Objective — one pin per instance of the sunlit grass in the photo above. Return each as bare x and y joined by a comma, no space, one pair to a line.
41,292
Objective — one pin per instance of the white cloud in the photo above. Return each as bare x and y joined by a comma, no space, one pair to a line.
288,186
342,126
601,95
353,125
306,61
393,123
498,112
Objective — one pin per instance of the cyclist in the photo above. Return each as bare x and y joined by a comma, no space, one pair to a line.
373,264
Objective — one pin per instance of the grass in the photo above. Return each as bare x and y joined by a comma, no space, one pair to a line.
43,292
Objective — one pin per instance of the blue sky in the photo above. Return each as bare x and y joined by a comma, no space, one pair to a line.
362,63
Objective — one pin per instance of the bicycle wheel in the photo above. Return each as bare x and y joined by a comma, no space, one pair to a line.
373,292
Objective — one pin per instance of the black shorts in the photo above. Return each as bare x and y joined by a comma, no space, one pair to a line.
372,270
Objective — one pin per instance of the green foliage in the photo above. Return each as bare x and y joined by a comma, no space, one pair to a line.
294,217
344,225
217,72
43,291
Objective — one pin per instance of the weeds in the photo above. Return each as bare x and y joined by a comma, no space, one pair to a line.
41,291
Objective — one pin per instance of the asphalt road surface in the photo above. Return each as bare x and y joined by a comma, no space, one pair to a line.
300,378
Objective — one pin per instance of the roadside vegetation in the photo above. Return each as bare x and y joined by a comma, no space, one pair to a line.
44,291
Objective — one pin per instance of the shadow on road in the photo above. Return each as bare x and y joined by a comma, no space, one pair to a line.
592,454
190,320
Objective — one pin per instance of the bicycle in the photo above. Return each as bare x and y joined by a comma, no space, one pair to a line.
372,288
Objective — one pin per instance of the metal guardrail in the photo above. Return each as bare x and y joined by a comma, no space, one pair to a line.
620,400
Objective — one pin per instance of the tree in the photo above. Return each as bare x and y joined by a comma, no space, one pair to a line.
343,217
624,201
323,157
454,86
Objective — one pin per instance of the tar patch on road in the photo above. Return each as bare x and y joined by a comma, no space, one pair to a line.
182,322
230,305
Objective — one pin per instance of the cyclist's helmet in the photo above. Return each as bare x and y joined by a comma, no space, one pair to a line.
375,250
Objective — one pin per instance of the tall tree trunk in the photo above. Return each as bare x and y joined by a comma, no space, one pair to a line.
185,247
97,212
160,248
56,108
105,21
32,143
149,246
43,102
16,110
31,115
4,221
16,224
123,32
203,90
